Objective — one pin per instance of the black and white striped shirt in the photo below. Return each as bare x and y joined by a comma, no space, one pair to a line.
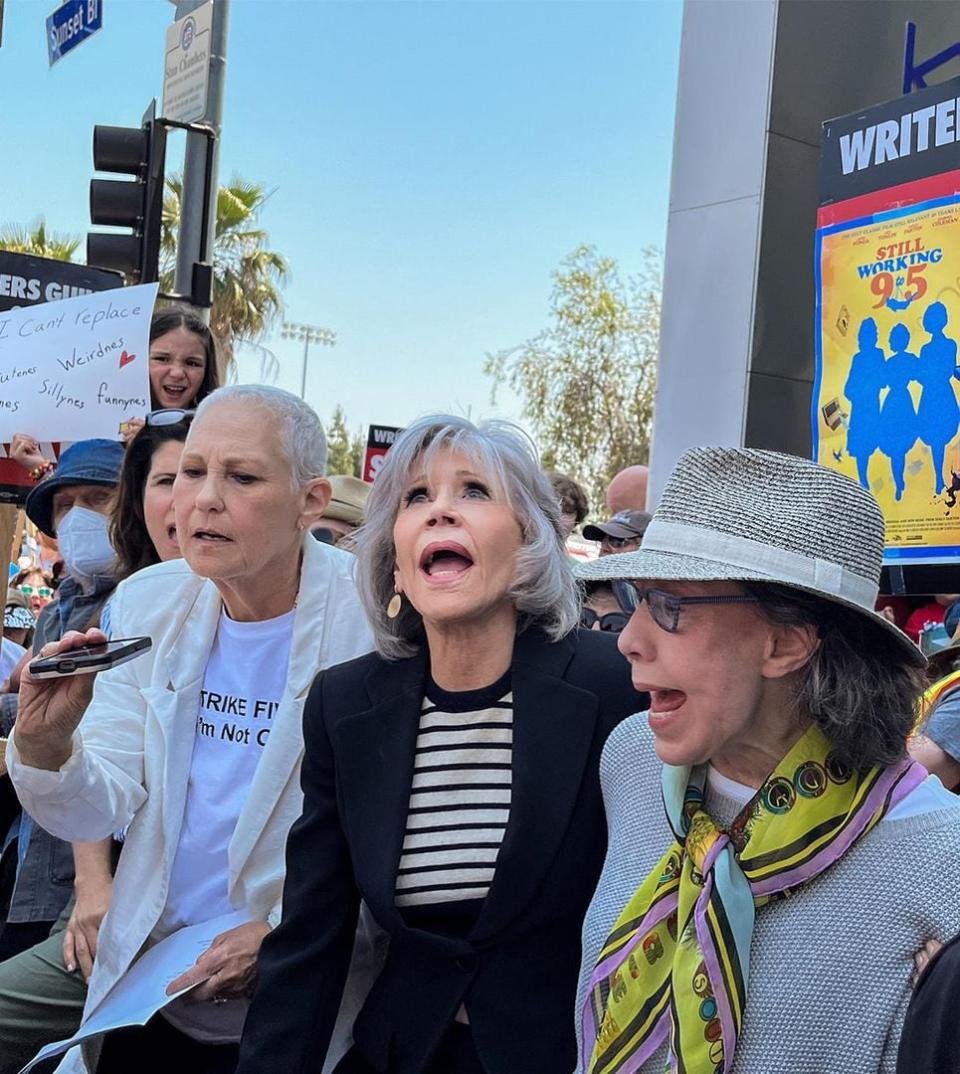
460,797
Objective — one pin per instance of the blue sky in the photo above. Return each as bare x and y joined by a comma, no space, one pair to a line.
430,165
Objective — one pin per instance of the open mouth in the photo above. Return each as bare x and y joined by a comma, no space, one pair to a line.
664,700
174,391
209,535
447,560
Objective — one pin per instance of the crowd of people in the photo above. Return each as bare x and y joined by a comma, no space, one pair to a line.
466,803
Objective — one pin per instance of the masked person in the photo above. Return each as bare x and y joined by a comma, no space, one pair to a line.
73,505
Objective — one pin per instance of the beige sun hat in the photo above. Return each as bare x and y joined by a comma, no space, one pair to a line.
348,500
744,515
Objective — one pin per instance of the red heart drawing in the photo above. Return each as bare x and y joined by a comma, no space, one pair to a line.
126,359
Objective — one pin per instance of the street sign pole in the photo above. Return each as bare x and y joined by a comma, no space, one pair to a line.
197,185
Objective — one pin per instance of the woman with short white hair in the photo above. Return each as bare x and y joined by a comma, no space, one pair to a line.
197,744
450,780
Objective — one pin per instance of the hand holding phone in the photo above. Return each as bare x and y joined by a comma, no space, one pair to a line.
90,658
51,707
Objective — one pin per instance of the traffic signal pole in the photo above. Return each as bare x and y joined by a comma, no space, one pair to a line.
192,244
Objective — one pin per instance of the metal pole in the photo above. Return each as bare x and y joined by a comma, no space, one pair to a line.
303,379
195,158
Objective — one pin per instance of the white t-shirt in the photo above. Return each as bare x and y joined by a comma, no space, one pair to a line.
242,687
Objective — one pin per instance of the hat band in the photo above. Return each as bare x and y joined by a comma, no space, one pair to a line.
778,564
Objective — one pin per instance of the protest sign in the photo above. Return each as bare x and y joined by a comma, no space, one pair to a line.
27,280
78,368
885,407
380,438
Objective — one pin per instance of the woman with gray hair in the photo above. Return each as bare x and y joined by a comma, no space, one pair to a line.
775,857
196,746
450,780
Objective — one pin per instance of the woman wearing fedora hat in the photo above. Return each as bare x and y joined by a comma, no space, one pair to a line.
775,858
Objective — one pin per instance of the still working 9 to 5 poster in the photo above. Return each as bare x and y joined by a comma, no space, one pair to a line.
885,403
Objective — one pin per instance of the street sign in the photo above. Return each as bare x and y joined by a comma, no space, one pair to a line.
186,66
380,439
70,25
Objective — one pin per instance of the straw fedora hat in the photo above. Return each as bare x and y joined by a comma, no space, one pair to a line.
744,515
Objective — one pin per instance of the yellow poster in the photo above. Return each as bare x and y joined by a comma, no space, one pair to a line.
885,402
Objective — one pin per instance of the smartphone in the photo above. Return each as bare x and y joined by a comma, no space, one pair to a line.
89,658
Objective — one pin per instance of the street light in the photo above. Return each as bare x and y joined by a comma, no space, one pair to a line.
307,334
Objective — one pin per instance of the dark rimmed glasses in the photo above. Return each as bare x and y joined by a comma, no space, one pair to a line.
618,543
168,416
665,607
612,622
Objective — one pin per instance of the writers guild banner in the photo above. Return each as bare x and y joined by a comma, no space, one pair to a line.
885,403
380,439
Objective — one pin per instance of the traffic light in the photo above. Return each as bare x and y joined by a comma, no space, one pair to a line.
132,203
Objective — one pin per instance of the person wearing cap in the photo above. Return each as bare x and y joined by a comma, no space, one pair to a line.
775,858
344,513
621,533
73,505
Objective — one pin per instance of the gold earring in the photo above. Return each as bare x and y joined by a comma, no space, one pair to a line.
396,603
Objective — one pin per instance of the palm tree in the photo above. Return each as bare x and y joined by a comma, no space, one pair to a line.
246,276
35,239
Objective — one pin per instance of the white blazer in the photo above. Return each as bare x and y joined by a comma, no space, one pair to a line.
132,753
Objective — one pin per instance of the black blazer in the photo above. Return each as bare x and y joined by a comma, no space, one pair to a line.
517,970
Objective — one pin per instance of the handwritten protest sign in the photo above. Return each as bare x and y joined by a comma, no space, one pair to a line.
77,368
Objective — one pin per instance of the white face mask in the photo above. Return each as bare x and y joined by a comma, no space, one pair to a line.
84,540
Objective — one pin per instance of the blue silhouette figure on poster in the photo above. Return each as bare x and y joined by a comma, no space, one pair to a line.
898,416
866,378
938,415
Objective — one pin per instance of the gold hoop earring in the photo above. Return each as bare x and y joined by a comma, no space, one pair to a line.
396,603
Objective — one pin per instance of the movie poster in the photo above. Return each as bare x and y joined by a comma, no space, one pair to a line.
886,399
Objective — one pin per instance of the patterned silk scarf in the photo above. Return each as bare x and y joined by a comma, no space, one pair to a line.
677,962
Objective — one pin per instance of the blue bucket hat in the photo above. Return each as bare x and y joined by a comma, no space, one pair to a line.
87,462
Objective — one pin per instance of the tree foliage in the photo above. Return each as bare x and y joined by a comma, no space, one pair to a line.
587,380
36,239
247,275
344,452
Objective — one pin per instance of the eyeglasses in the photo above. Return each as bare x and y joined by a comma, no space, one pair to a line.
41,591
618,542
665,608
612,622
168,416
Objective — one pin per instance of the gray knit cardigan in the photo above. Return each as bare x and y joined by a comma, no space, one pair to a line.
830,967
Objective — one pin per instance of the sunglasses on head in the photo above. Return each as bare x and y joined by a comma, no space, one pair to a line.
612,622
665,608
168,416
41,591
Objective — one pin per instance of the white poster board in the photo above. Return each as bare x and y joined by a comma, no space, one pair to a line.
78,368
142,990
186,66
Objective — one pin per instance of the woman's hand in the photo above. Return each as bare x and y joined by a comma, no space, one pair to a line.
130,428
50,710
228,968
26,451
83,928
923,957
